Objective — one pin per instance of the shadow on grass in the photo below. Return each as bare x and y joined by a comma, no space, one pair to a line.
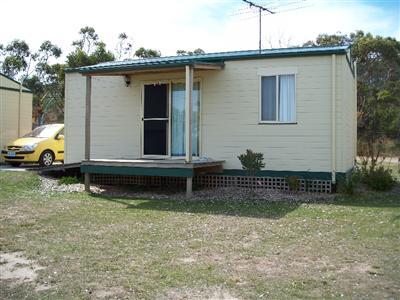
255,209
245,208
369,199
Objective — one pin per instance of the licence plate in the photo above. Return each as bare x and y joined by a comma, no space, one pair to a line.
11,154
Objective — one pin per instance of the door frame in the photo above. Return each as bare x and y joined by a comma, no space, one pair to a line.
168,119
169,83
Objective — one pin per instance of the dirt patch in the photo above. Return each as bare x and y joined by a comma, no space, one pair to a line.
16,268
272,267
187,260
200,294
110,293
359,269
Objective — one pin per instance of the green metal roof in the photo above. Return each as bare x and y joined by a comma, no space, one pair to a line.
220,57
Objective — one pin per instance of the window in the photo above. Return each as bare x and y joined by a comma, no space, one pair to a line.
278,98
178,119
44,131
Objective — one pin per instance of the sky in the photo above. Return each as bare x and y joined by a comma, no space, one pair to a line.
213,25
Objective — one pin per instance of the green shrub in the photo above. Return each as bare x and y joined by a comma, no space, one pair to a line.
293,182
68,180
252,162
378,178
348,184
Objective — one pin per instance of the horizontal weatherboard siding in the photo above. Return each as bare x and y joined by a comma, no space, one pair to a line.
229,122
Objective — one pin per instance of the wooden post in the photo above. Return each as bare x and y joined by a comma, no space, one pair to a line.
188,125
87,128
188,113
189,183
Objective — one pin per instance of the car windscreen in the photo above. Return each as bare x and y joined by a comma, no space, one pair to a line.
45,131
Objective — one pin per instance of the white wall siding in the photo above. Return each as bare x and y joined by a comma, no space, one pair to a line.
74,118
115,118
347,118
230,115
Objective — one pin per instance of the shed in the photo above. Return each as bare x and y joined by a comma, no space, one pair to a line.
15,109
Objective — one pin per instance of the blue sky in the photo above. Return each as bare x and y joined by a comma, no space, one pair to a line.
214,25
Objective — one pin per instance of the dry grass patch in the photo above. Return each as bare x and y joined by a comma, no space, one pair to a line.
111,247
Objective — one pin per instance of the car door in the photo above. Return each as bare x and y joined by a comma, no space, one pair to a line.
59,145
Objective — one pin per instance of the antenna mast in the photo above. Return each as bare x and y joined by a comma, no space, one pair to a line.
260,10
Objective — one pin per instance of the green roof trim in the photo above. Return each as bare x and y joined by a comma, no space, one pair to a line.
220,57
15,90
142,171
24,89
182,172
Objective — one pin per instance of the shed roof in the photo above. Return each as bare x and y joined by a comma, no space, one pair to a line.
24,89
219,57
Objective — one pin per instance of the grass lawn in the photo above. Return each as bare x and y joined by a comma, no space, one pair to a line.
90,246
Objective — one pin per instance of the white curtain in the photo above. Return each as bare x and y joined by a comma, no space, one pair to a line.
286,98
195,118
178,119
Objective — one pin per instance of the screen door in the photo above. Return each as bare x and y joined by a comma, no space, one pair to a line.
155,120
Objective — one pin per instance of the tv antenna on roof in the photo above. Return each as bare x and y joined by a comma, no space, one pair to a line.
260,10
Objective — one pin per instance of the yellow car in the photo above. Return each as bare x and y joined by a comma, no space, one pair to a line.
44,145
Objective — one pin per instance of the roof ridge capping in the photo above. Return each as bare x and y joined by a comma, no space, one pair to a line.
168,61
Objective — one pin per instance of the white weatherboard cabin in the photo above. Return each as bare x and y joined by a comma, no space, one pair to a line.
191,116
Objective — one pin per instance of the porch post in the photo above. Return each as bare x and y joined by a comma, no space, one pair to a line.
188,124
189,184
87,127
188,113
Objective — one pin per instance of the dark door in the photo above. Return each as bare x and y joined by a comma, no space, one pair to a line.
155,120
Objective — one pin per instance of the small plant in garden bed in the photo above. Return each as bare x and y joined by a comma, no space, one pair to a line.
252,161
68,180
293,182
349,184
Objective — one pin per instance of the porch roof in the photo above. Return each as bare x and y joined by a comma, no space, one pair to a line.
204,61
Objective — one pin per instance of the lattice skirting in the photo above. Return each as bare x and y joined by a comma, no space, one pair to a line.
213,181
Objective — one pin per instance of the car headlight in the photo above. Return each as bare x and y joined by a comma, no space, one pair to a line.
29,147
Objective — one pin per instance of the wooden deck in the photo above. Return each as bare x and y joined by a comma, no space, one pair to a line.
152,167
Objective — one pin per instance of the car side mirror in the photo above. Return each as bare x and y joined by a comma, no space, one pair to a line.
60,137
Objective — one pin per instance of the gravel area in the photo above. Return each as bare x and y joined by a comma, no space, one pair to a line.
51,185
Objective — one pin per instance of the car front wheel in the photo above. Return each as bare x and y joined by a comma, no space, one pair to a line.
46,159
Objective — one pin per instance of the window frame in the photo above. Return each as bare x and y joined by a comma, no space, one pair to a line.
169,82
276,74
